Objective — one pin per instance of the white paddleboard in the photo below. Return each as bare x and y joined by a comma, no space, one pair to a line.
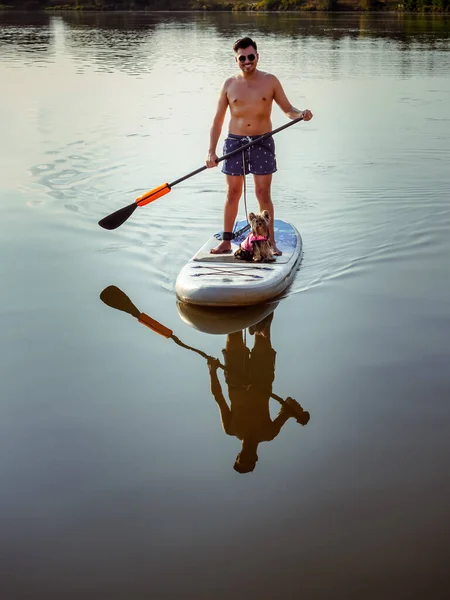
223,280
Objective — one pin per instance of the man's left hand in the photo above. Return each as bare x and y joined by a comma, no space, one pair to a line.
213,364
307,115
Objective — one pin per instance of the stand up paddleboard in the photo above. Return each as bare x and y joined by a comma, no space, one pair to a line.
223,280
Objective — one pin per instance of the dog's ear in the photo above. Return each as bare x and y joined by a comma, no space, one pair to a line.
265,214
252,215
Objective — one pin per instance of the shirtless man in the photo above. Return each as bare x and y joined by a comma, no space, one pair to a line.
249,95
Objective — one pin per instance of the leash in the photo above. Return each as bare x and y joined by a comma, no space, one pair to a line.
245,184
236,234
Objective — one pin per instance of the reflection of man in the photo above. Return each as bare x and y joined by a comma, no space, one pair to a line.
249,376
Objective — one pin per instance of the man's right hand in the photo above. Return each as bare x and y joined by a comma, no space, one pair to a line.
211,160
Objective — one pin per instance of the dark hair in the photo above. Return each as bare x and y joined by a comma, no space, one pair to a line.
243,43
248,464
244,468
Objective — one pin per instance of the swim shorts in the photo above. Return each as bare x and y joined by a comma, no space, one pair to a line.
255,368
237,373
259,159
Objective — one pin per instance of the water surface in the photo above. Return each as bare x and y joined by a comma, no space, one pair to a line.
117,476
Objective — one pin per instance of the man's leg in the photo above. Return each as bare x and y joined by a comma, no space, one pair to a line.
262,191
234,191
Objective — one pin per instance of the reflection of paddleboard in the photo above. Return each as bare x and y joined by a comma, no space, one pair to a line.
222,321
223,280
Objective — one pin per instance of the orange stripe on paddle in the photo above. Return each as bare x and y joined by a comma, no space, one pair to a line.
153,194
154,325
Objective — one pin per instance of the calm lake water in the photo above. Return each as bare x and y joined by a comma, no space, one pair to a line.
117,476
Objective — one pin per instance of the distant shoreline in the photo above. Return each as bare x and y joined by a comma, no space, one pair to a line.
88,9
429,7
312,7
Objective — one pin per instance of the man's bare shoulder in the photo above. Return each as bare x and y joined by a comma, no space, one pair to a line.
269,77
230,81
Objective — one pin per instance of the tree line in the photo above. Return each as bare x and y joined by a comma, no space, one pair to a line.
438,6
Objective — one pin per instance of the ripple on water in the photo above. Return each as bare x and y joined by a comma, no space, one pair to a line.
347,242
73,181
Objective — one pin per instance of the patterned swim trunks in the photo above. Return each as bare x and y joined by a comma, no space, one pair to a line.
259,159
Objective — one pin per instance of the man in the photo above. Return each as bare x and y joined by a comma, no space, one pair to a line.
249,95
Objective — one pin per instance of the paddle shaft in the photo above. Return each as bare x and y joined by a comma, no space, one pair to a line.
241,149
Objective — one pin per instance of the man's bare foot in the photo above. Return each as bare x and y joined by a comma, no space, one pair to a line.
276,251
222,248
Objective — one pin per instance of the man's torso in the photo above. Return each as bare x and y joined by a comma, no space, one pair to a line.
250,102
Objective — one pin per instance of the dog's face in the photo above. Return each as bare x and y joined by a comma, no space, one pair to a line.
260,223
257,250
262,250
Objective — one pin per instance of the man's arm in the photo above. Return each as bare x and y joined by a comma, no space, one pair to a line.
217,124
281,99
216,390
278,423
290,408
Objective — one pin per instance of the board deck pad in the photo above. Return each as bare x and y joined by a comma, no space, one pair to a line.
285,237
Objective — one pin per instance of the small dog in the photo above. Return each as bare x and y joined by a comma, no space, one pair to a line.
256,246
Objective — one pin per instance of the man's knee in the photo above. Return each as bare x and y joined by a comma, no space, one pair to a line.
262,190
262,185
263,196
234,192
233,198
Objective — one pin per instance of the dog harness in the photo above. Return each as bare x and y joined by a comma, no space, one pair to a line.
252,239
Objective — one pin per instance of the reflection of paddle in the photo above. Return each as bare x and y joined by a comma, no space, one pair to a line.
115,298
119,217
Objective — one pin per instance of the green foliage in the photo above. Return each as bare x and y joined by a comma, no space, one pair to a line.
304,5
290,4
268,5
438,6
237,5
280,4
423,6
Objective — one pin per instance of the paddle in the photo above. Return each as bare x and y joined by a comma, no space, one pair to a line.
119,217
115,298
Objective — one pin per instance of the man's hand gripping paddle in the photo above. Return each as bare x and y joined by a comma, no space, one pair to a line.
119,217
115,298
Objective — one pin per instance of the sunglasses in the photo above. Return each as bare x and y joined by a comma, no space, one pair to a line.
250,57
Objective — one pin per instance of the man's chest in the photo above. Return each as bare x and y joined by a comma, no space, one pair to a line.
245,94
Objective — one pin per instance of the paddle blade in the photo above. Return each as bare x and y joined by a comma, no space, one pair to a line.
117,218
115,298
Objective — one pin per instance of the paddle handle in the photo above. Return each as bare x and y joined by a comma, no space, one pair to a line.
241,149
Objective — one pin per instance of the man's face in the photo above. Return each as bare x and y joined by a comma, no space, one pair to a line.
247,59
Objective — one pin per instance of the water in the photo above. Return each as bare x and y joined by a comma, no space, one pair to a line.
117,476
